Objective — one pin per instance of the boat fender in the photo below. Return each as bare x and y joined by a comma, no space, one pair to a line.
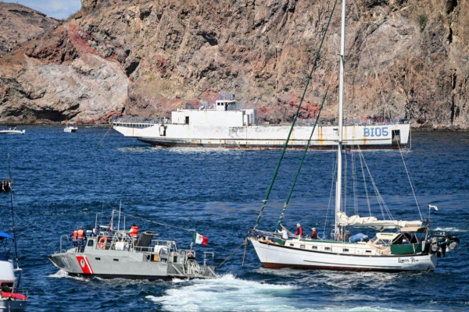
102,242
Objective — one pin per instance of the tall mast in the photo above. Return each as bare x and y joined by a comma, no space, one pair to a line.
338,191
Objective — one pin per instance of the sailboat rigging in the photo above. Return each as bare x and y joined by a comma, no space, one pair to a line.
398,245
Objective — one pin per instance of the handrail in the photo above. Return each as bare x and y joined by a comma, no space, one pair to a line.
68,240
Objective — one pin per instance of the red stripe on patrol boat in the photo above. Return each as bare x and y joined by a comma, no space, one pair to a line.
84,264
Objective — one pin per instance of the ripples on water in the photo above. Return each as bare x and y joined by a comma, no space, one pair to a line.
62,180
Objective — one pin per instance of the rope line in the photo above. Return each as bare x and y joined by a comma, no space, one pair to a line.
157,223
302,159
228,258
102,140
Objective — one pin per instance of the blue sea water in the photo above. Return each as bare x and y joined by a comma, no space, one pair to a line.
62,180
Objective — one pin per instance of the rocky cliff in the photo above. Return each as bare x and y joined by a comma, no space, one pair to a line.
405,59
20,24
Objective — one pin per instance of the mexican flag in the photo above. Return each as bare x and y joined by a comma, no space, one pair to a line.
199,239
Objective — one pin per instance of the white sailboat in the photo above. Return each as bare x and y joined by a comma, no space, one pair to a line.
397,246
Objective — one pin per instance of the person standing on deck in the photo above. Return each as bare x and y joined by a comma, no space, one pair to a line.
81,237
314,233
133,233
299,230
284,232
74,237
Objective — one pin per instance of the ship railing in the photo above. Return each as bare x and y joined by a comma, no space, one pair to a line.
207,255
67,237
138,121
170,246
350,122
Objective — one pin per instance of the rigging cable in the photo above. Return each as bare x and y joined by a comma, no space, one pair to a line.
287,201
410,181
294,121
364,181
354,183
154,222
374,65
334,174
384,208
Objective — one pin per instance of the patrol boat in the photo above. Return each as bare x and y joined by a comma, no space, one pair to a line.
114,253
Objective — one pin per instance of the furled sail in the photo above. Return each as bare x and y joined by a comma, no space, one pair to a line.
373,222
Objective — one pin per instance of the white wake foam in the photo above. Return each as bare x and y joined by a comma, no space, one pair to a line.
63,274
226,293
450,230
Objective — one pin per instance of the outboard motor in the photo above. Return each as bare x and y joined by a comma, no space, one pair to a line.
441,242
452,242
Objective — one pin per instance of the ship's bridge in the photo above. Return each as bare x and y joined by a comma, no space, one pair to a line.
226,114
225,102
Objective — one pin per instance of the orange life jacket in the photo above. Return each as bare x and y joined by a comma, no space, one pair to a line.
134,231
75,234
81,234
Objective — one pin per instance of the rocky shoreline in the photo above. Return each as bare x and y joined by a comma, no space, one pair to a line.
405,59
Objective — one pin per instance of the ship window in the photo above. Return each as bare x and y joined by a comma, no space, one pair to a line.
345,250
302,246
315,247
327,248
90,243
292,245
98,258
368,251
116,259
187,120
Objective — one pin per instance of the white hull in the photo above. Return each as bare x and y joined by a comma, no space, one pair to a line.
277,256
10,301
12,131
324,137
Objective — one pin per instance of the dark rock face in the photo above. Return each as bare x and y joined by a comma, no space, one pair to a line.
20,24
404,59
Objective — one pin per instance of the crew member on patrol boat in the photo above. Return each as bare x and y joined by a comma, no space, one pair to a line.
299,230
133,231
74,237
81,237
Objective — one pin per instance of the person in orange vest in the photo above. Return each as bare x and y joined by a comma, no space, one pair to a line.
133,231
74,237
81,237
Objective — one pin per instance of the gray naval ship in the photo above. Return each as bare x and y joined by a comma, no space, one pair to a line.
114,253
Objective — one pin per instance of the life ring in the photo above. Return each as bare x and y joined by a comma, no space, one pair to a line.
102,242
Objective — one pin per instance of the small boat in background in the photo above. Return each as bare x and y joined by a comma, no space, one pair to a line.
71,127
12,131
